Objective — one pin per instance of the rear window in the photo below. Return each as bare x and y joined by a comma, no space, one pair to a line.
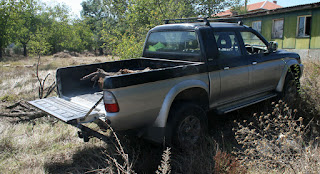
173,42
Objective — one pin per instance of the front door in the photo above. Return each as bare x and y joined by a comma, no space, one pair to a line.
265,70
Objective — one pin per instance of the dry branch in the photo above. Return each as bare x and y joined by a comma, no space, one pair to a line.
23,111
100,74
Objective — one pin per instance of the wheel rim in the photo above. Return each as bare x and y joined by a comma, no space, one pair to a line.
189,130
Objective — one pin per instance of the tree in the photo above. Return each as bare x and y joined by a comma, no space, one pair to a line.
58,25
238,7
126,35
95,12
80,37
210,7
7,13
39,46
26,22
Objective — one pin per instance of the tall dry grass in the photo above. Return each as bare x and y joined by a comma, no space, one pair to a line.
38,146
278,141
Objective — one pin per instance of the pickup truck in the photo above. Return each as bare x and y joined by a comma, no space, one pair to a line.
194,67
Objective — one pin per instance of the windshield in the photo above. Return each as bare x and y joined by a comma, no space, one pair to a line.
173,42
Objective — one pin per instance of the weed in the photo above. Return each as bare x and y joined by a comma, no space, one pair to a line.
8,98
165,167
275,141
310,89
6,144
226,163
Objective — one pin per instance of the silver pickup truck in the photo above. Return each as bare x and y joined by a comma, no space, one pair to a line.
195,67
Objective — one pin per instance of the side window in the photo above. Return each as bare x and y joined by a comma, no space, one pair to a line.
173,41
253,44
228,45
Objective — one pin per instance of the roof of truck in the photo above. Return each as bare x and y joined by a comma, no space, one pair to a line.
192,26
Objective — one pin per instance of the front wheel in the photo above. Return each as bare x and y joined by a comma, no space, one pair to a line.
187,125
290,90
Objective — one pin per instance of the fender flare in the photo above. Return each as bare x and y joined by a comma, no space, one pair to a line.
285,70
161,119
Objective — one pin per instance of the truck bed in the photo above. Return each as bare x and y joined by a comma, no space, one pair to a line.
76,96
70,85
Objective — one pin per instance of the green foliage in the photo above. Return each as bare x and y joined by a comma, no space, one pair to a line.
211,7
7,16
38,43
129,47
125,34
8,98
95,12
239,8
26,22
115,27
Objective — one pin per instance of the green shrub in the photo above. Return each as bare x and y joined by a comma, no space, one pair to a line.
8,98
129,47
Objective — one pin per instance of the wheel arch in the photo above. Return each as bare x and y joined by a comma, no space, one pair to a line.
293,67
195,90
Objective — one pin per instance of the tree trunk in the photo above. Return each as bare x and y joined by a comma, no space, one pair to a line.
100,51
0,53
25,50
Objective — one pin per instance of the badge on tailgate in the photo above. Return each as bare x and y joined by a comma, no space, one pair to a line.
64,110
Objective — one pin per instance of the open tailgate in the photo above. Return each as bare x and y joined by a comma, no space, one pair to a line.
67,111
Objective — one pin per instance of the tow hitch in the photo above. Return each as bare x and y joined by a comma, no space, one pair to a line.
87,133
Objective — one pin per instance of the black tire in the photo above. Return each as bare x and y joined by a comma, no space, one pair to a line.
290,90
187,125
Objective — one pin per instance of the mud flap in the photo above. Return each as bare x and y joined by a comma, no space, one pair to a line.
64,110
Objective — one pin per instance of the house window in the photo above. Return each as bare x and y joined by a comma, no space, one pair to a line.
257,26
304,26
277,28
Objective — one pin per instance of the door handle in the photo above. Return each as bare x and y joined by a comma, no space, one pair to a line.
226,68
254,63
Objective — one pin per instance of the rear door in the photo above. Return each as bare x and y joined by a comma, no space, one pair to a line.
233,67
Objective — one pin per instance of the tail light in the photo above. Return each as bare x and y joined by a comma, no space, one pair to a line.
110,102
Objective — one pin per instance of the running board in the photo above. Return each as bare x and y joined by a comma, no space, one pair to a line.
244,103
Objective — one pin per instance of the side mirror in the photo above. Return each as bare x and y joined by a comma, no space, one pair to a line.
273,46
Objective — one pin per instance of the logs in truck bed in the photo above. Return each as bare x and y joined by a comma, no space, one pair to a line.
100,74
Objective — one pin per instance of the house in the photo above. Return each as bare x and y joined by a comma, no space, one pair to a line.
256,7
295,27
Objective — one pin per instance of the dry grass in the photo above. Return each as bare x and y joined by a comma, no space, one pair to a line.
27,147
277,141
310,89
18,79
46,145
39,146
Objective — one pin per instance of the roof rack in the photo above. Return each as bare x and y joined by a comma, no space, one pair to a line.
188,20
204,19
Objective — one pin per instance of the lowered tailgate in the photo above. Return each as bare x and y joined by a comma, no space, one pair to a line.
71,111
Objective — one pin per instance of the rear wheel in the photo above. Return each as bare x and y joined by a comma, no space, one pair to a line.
187,125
